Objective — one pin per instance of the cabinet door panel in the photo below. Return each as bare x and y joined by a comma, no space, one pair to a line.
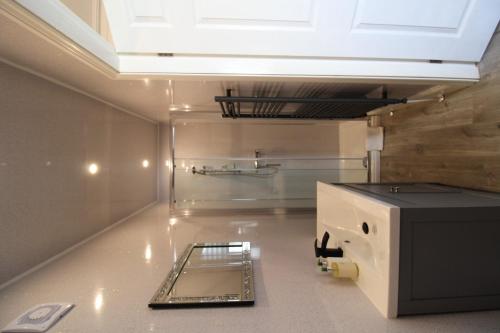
455,30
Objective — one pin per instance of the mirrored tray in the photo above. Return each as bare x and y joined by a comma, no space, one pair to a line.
208,274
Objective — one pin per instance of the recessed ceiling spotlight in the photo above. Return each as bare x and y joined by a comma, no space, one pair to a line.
93,168
148,253
145,164
98,301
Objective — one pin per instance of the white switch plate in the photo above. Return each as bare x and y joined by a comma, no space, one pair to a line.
39,318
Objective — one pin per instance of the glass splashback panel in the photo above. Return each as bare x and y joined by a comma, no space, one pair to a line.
259,183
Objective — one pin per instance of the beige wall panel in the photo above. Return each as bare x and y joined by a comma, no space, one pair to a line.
48,199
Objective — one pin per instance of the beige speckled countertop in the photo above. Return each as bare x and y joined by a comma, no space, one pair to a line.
112,278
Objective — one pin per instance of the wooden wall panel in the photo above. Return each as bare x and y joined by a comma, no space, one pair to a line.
456,142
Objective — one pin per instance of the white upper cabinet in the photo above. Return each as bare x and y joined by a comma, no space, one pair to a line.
448,30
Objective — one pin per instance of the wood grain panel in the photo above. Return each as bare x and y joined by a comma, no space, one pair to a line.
456,142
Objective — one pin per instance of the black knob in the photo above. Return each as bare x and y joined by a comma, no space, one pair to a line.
323,251
365,228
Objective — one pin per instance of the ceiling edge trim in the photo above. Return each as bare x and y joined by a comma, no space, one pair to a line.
340,70
16,12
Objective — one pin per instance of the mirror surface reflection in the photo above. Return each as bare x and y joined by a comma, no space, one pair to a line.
209,274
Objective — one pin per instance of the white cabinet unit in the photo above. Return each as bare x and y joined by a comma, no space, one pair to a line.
449,30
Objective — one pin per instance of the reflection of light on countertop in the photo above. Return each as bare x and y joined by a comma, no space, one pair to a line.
98,301
148,253
172,221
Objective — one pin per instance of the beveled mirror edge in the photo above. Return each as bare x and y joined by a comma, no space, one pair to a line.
172,276
247,297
